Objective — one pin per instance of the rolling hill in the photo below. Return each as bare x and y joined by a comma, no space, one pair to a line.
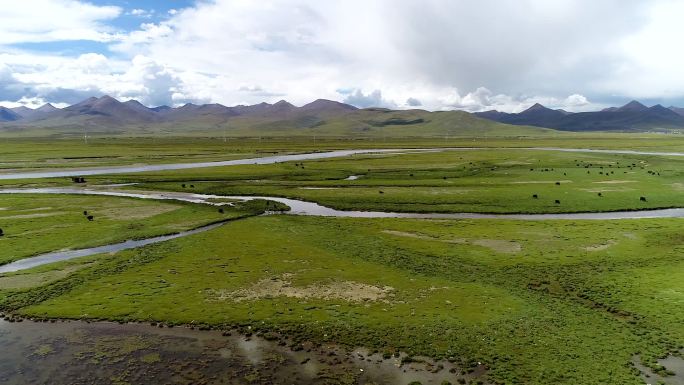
108,116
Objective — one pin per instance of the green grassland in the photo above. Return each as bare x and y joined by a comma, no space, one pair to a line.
35,224
26,155
564,302
64,152
538,302
492,181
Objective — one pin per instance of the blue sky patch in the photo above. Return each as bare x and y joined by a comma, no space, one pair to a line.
143,11
66,48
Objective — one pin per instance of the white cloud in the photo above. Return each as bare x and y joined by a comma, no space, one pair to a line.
144,13
505,54
93,63
372,99
576,100
58,79
653,64
305,49
413,102
55,20
483,99
32,102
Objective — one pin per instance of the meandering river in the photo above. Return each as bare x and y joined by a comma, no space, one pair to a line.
297,207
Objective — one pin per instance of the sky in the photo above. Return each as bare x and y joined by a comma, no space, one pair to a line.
578,55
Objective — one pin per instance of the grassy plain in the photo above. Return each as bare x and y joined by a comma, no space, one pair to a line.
538,302
497,181
549,302
46,153
492,181
35,224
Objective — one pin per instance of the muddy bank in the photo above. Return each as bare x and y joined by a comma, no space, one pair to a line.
100,353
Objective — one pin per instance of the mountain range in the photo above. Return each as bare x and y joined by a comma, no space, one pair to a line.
633,116
107,110
107,116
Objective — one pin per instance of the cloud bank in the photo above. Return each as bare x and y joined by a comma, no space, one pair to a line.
433,54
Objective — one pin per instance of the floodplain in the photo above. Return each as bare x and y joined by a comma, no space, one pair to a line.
495,301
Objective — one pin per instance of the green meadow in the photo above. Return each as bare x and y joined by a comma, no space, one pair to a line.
535,302
36,224
488,181
538,302
68,152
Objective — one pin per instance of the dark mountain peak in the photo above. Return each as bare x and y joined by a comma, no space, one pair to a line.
213,111
535,108
283,103
255,109
659,111
327,105
110,109
160,108
213,108
23,111
632,106
138,107
88,102
677,110
282,106
134,102
47,107
633,116
7,115
106,101
658,107
42,112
